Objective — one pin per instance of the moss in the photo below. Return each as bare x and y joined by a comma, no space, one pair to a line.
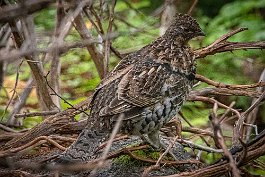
127,160
124,159
143,153
155,155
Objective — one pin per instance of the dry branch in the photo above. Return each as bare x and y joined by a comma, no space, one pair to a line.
54,54
85,34
13,151
213,101
222,45
8,129
13,90
35,66
11,12
157,165
19,104
228,86
33,114
197,131
255,150
15,54
107,41
48,126
238,130
200,147
222,91
193,5
252,117
220,142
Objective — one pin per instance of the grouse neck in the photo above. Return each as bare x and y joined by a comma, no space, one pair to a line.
172,51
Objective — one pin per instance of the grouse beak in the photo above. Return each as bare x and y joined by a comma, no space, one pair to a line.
201,33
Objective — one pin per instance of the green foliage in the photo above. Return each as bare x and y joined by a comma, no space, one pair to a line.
196,112
257,169
124,159
30,122
66,105
47,23
155,155
143,153
129,38
210,7
228,67
79,71
244,14
127,160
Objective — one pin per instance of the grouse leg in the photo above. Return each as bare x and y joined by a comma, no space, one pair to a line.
154,140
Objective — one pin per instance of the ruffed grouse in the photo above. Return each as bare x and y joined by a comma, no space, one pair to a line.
148,87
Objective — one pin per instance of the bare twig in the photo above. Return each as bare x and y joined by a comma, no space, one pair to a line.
156,166
228,86
14,54
3,127
107,41
200,147
35,66
13,91
20,103
197,131
240,122
222,91
54,55
33,114
219,140
29,145
186,120
221,119
194,3
62,138
54,92
99,26
48,126
221,45
85,34
11,12
226,36
255,104
252,117
213,101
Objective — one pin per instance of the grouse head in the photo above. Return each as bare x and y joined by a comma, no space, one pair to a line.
172,48
184,28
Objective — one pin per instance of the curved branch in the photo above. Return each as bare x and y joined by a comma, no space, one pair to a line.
222,45
229,86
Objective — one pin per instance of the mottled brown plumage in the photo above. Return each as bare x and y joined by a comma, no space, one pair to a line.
148,87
